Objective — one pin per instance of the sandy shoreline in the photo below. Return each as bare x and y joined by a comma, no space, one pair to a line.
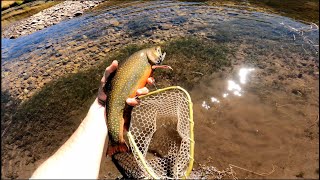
48,17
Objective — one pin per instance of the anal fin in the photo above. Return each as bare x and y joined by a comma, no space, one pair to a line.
118,148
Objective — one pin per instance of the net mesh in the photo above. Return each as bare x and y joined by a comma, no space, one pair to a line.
162,138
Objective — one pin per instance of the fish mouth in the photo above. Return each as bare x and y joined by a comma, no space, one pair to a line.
161,58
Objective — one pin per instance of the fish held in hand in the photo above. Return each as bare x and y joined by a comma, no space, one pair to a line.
131,75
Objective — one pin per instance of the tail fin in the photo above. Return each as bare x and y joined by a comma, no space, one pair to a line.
122,147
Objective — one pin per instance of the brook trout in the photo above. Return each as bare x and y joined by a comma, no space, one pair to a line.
123,84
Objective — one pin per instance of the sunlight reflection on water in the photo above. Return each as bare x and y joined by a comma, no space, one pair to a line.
232,86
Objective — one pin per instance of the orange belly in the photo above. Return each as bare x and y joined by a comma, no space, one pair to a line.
142,82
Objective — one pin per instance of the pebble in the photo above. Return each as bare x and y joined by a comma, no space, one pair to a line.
156,40
107,50
45,74
94,49
39,27
58,54
102,54
72,43
79,48
78,13
202,33
165,26
114,22
26,91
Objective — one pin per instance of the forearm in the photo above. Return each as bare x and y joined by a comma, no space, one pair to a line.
80,156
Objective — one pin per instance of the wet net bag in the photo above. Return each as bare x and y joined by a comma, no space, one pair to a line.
160,136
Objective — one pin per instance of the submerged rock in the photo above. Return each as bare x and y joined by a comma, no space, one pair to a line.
114,22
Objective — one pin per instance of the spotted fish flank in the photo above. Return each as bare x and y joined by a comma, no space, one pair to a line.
123,84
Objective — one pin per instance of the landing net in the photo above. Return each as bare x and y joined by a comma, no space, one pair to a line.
160,136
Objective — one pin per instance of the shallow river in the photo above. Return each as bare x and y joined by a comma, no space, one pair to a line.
259,113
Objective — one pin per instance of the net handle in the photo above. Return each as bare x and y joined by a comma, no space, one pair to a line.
191,156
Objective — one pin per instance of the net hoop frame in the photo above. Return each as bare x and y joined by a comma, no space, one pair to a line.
191,138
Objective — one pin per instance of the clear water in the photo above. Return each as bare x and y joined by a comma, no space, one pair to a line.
137,18
267,119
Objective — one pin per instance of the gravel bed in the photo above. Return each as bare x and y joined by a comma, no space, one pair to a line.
49,17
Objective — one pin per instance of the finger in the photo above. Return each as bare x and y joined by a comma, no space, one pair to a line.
102,97
113,66
142,91
132,101
151,81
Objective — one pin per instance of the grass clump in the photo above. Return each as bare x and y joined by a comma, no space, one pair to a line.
304,10
19,2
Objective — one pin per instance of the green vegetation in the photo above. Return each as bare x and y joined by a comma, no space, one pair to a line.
63,103
19,2
304,10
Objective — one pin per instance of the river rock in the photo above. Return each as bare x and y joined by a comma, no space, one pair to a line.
26,91
165,26
48,45
107,49
80,48
156,40
58,54
102,54
39,27
94,49
78,13
114,22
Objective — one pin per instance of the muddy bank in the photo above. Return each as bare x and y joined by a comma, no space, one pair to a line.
48,17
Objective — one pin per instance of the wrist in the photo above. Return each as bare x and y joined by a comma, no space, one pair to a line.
96,106
96,118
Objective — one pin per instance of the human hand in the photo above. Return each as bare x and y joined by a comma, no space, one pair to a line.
102,97
86,144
